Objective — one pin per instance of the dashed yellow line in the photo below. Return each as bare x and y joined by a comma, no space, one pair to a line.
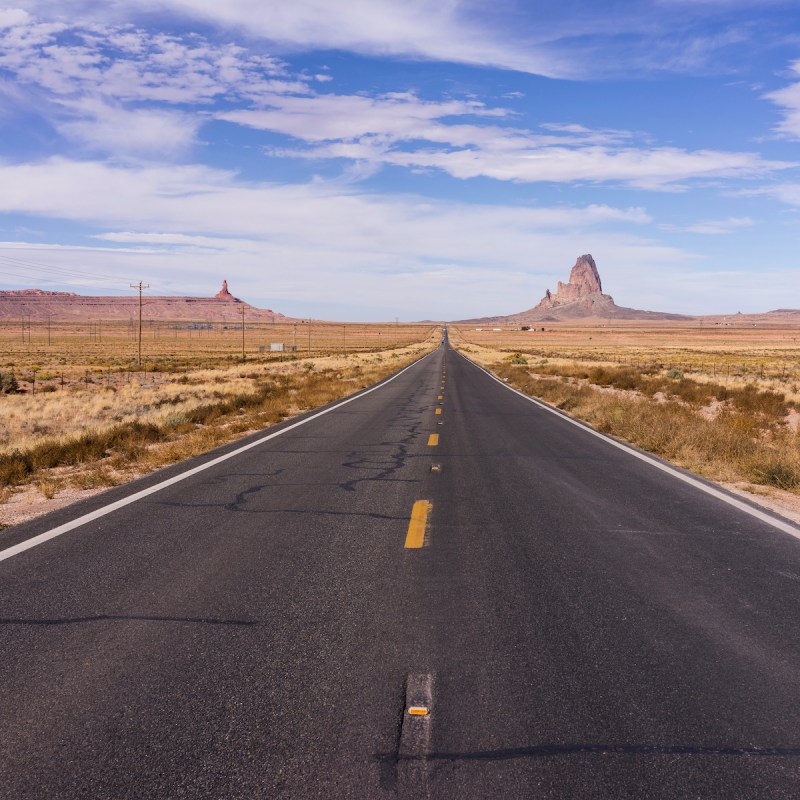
433,440
437,411
439,397
416,526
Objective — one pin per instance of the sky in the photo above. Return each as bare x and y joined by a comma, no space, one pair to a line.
411,159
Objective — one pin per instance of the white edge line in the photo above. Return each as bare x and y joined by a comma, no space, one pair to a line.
703,487
21,547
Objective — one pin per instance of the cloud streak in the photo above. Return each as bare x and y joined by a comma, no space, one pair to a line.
406,131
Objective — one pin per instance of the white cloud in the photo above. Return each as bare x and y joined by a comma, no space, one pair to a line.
111,86
788,99
788,193
141,131
324,117
554,38
127,63
454,30
10,17
713,227
403,130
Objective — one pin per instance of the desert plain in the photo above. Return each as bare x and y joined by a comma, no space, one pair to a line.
718,397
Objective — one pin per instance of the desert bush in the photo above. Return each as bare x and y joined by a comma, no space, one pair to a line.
693,392
749,398
95,478
49,487
517,358
774,470
8,383
626,378
15,468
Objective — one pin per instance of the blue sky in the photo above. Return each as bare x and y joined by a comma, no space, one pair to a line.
373,159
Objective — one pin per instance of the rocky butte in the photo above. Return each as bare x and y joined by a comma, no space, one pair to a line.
581,298
65,306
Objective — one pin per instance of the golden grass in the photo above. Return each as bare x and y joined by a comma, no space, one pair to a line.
768,357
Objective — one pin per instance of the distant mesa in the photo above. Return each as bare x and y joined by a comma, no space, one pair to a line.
39,304
35,293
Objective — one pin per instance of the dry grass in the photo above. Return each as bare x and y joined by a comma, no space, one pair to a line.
767,357
735,445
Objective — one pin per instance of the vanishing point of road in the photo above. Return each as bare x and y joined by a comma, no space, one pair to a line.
563,618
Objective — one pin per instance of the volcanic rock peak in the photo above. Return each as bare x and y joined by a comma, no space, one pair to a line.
584,281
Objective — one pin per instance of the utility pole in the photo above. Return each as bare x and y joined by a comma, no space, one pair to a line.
294,338
242,333
140,286
344,337
49,317
309,336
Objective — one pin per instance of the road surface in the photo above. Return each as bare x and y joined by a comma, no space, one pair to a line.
575,623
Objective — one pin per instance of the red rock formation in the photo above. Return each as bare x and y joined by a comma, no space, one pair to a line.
223,293
584,281
581,298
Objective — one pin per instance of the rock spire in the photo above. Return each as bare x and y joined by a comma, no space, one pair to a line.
223,293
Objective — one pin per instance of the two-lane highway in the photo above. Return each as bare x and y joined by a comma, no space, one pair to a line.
563,619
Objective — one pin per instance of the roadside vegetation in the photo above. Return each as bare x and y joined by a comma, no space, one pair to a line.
93,435
743,432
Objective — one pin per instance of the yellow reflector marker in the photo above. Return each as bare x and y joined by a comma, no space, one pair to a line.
437,411
433,440
416,527
439,397
417,711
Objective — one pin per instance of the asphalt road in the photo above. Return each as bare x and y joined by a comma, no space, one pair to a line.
579,624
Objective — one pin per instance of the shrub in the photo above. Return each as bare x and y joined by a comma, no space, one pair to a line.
8,383
518,358
777,472
675,374
14,469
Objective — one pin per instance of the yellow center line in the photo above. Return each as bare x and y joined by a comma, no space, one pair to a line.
433,440
437,411
416,526
439,397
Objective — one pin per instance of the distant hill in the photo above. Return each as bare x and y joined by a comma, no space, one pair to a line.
68,306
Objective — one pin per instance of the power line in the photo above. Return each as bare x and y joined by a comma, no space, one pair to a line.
71,277
41,266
